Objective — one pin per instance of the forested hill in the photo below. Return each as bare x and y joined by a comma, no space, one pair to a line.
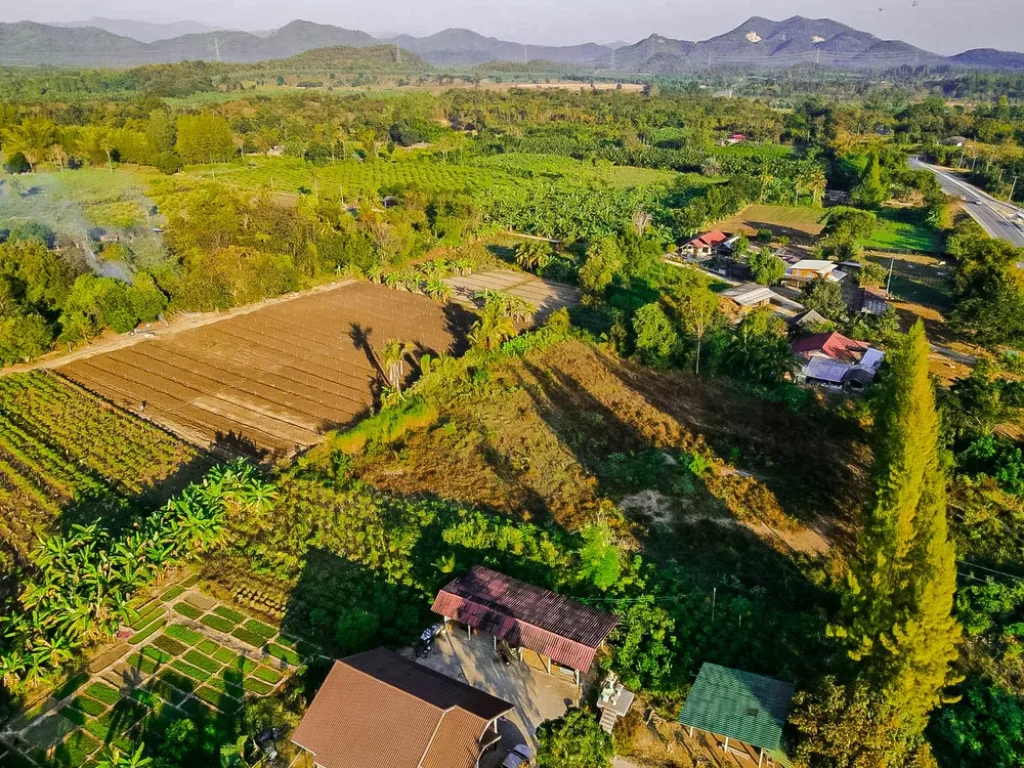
757,43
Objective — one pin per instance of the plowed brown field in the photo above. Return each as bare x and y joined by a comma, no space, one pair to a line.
274,379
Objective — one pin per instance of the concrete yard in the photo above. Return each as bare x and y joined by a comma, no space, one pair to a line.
545,295
536,695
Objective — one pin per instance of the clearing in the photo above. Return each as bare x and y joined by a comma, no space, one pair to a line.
273,380
547,296
899,229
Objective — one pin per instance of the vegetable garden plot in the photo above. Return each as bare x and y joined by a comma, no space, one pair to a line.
62,448
277,377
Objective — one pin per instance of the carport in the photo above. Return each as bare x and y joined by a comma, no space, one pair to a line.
557,628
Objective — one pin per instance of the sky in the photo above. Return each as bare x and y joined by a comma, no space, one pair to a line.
943,26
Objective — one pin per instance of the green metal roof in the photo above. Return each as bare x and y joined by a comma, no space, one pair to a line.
743,706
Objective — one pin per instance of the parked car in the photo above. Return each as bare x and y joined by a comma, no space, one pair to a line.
520,757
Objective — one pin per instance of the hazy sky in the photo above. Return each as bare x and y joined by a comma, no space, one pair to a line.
944,26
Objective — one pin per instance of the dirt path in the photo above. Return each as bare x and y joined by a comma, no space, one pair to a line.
184,322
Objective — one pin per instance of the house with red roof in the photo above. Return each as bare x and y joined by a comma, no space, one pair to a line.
705,246
835,361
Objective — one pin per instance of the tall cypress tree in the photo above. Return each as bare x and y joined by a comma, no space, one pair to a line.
899,624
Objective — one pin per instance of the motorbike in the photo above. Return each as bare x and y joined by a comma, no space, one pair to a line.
426,643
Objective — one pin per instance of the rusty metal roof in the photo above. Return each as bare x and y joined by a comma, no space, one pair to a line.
564,630
381,710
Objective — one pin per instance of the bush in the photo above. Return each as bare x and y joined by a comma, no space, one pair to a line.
17,163
574,740
764,235
386,427
356,630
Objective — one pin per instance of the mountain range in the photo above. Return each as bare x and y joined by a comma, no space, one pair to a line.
758,42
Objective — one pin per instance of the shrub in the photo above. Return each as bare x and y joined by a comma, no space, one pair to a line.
188,610
386,427
218,623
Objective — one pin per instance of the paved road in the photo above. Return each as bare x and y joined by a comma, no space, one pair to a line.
996,217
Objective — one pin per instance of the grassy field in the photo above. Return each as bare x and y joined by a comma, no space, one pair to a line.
897,229
918,279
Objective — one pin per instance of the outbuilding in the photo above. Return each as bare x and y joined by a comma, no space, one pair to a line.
558,628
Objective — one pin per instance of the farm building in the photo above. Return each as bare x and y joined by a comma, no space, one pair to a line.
808,270
809,318
747,711
833,360
704,246
748,296
557,628
873,301
380,709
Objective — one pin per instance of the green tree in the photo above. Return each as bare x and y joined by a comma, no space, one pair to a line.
600,559
825,297
604,262
696,305
898,608
759,351
33,138
870,192
356,629
204,138
657,342
574,740
768,269
23,337
533,255
645,646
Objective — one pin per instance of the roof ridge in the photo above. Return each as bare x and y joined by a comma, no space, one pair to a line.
400,690
433,736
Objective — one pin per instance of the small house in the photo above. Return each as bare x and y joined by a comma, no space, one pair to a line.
380,709
835,361
873,301
807,271
749,296
954,141
704,246
736,138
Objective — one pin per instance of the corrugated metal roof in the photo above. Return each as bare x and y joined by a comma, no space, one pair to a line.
381,710
526,616
823,369
741,705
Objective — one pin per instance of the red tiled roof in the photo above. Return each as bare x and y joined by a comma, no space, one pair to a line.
381,710
833,345
526,616
710,239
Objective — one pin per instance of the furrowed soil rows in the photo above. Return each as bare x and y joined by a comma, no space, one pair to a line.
273,379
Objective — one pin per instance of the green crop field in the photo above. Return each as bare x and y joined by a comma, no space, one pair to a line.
558,166
901,232
66,455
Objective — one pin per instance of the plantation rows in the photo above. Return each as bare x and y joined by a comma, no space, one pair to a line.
356,178
64,452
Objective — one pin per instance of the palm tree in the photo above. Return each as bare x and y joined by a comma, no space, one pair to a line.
493,327
118,759
711,166
533,255
33,138
811,178
767,177
392,360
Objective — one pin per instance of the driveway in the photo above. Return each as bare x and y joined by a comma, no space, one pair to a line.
536,695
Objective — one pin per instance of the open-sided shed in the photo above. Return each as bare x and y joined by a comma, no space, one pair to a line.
742,706
526,616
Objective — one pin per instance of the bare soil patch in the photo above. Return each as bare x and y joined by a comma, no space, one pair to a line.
272,380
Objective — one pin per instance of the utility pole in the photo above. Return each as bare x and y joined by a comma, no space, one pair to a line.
888,282
1013,188
714,595
216,47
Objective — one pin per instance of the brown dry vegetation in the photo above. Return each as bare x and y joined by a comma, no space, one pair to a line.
563,432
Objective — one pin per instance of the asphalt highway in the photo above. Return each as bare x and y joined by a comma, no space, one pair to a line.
997,218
